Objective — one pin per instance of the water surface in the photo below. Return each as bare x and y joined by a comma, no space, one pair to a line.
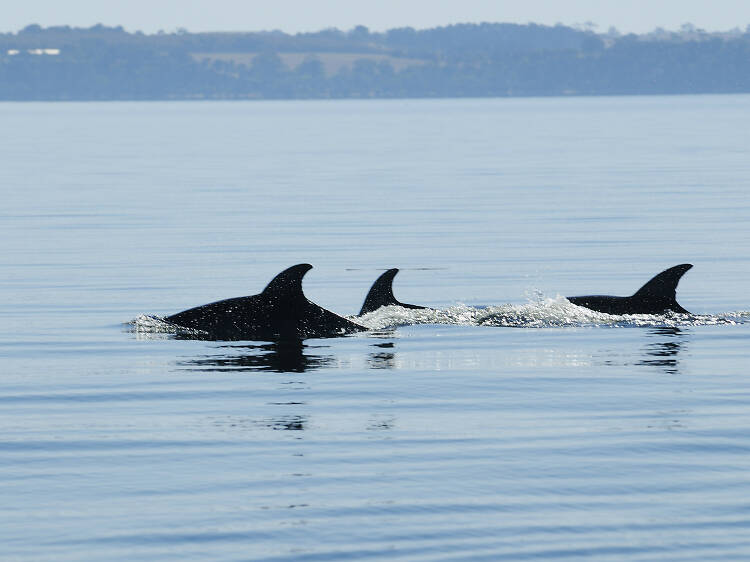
508,425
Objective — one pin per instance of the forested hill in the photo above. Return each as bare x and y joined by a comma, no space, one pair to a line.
103,63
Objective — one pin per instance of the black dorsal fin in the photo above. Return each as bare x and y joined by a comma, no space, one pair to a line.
381,294
288,283
663,288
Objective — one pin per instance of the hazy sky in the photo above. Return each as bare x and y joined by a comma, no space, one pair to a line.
311,15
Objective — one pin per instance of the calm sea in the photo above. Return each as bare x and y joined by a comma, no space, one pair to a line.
507,425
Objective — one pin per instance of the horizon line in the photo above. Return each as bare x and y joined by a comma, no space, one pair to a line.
586,26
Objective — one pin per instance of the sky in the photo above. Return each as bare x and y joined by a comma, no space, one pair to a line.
293,16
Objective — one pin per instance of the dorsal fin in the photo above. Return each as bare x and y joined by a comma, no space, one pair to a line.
288,283
381,293
663,287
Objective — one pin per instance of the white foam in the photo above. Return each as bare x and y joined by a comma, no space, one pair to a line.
541,313
149,325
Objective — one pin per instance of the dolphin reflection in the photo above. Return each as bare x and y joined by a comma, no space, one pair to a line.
385,359
279,357
663,353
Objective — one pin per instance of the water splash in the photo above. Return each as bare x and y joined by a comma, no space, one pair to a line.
150,326
541,313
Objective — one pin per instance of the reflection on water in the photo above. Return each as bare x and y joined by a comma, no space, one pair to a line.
290,423
287,422
381,423
279,357
661,351
664,352
382,359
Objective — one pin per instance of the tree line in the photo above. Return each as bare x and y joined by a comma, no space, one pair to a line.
109,63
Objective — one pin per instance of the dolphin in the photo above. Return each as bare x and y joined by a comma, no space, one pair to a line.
655,297
280,313
381,294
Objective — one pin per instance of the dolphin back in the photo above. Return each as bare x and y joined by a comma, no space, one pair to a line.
655,297
280,313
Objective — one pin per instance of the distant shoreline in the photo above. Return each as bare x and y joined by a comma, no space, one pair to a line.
461,61
382,99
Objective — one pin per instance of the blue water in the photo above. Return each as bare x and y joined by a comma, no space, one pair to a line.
507,425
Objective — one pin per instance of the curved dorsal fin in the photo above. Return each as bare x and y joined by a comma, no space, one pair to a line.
663,287
288,283
381,293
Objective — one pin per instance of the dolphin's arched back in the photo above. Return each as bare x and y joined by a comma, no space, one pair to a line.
281,312
655,297
381,294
